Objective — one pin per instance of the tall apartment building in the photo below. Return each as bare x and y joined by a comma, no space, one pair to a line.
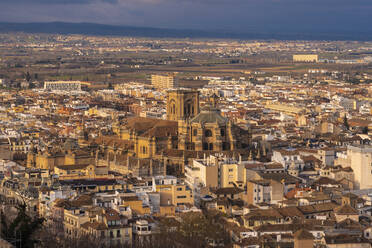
215,172
62,85
164,81
360,158
171,191
305,58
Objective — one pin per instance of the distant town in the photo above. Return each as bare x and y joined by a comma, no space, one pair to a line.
139,142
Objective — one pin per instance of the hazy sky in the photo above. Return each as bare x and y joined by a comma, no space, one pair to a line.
239,15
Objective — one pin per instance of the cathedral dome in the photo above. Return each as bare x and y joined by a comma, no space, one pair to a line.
70,144
210,114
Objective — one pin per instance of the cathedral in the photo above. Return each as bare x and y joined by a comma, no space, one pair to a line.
189,132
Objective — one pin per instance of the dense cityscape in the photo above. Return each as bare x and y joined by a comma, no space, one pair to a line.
138,142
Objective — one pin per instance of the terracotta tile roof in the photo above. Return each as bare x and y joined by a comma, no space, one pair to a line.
263,214
349,224
227,191
345,239
72,167
280,177
317,208
346,210
148,126
290,212
111,215
326,181
302,234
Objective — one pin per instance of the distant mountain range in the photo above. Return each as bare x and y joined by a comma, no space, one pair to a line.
112,30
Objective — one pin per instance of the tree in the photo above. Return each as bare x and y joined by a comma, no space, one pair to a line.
346,122
21,229
28,77
365,130
194,230
31,85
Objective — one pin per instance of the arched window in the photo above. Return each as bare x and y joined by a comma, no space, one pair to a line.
173,110
211,146
225,146
222,132
208,133
188,107
205,146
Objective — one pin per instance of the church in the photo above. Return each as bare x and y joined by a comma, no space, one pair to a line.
189,132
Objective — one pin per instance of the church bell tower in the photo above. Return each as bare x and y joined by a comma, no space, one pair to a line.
182,104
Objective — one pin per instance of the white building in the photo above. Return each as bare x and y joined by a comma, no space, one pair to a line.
62,85
214,172
361,163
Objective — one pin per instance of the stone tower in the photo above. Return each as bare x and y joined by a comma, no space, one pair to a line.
182,104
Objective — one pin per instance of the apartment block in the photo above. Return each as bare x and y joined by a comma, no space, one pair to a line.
164,81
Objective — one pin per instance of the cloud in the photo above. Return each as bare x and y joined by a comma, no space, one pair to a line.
269,15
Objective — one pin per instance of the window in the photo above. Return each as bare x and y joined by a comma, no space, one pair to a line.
231,170
205,146
225,146
222,132
211,147
111,234
181,197
179,189
208,133
195,132
173,108
118,233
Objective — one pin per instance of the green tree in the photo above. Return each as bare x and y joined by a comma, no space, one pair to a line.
28,77
346,122
31,85
20,230
365,130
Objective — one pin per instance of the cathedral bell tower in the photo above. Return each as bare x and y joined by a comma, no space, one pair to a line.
182,104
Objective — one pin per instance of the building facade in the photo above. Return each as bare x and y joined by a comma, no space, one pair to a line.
62,85
361,163
164,81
